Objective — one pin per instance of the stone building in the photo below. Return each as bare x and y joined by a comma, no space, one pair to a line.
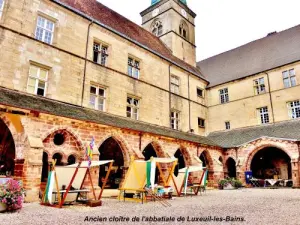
73,70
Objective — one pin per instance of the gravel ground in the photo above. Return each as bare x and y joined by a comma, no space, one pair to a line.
254,206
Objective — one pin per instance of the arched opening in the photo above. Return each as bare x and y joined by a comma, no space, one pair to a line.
206,161
110,149
183,30
271,163
231,168
7,151
149,152
58,157
71,159
181,162
45,167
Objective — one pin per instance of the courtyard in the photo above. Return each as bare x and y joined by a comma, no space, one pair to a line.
243,206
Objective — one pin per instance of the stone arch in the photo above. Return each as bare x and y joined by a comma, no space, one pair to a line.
72,159
63,157
158,149
231,167
123,146
7,149
250,156
72,143
67,130
208,161
9,125
113,148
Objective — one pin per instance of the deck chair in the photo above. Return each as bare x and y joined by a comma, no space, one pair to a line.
177,183
192,189
204,182
65,183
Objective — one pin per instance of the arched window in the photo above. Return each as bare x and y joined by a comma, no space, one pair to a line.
157,28
183,30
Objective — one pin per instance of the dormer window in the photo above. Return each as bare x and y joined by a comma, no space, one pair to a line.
157,28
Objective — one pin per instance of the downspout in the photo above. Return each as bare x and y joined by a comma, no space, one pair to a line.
270,95
170,95
140,141
298,143
85,61
190,123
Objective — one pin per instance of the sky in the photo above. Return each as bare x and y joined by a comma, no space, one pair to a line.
222,25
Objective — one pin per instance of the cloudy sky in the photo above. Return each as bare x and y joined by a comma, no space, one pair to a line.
225,24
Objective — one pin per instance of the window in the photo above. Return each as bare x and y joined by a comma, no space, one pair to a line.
227,125
201,122
294,109
224,96
133,108
259,86
37,81
1,7
97,97
44,30
264,115
100,54
157,28
289,78
175,120
183,30
174,84
200,92
133,68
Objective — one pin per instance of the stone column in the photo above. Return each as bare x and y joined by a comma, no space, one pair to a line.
32,169
18,170
295,172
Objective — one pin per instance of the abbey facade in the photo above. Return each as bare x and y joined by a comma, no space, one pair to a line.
73,70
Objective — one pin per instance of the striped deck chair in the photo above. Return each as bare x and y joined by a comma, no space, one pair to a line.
204,182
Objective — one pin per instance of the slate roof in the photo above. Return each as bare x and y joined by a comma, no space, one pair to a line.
26,101
119,23
235,138
258,56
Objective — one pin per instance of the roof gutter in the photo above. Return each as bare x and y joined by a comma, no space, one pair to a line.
123,36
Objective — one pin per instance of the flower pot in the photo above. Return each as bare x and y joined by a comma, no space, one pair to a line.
3,207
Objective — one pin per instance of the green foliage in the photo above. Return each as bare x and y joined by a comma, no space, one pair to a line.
234,182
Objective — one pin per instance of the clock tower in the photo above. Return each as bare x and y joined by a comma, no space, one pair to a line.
174,23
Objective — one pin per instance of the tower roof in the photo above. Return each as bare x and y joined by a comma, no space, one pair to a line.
156,1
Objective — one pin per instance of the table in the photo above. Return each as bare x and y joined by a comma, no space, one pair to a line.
78,192
272,182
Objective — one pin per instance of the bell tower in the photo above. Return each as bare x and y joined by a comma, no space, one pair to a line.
173,22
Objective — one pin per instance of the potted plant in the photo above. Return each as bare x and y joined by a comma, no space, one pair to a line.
229,183
11,195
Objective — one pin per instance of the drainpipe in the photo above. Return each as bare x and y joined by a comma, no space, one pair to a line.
190,123
270,95
298,142
85,61
170,93
140,143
